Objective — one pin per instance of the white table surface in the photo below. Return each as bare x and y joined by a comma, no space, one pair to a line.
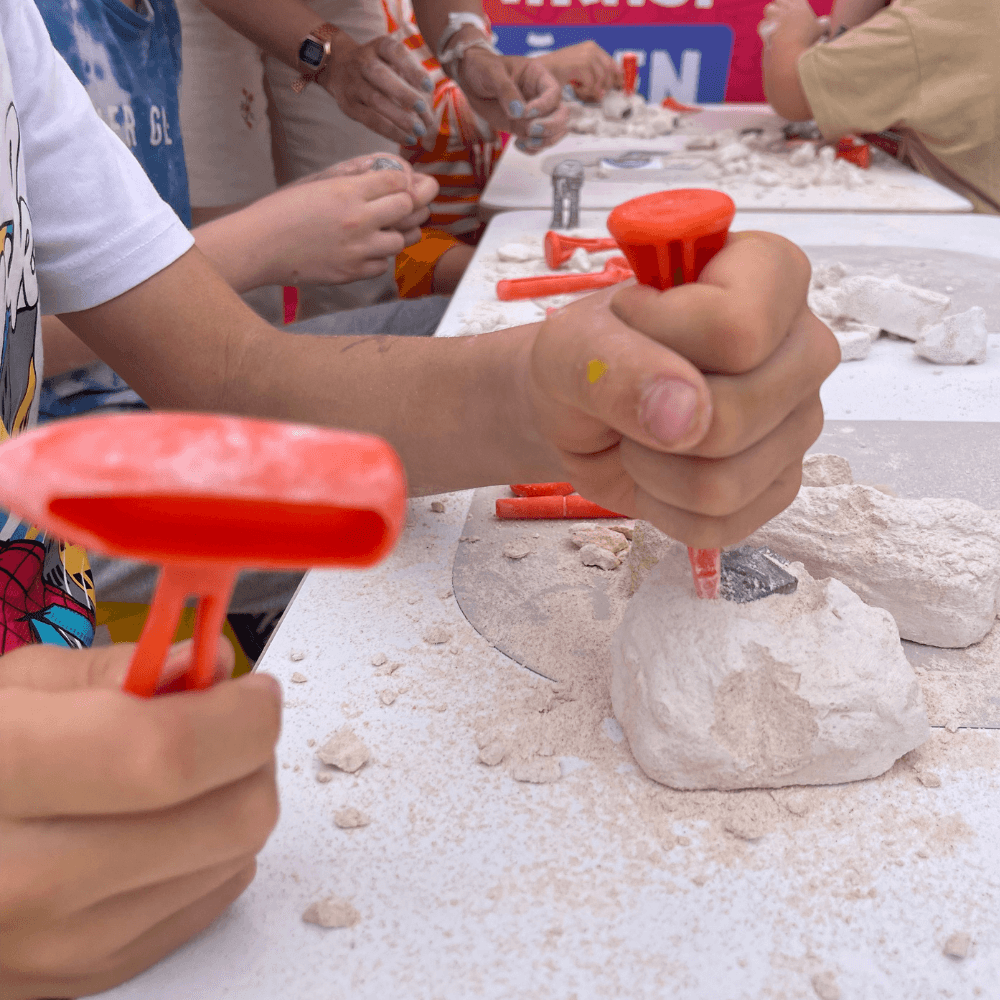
522,182
472,885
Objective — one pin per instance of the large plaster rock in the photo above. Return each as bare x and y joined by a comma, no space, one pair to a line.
891,304
800,689
957,340
826,470
933,564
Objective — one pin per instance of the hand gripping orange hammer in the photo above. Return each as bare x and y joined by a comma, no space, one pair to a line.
205,496
668,238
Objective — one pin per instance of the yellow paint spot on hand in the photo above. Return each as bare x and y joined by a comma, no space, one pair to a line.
595,369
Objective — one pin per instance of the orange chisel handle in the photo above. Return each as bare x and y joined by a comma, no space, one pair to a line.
630,71
668,237
541,489
549,508
615,270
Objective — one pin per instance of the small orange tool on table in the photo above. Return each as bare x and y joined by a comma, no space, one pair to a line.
616,270
205,496
559,248
630,72
668,238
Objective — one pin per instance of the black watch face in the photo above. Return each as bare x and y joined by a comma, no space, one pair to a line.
311,53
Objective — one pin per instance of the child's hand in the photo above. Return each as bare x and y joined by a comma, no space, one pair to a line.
617,390
126,826
791,22
587,67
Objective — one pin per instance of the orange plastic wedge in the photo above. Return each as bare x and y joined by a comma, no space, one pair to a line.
668,238
205,496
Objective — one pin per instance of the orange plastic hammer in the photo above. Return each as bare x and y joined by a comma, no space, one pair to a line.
668,237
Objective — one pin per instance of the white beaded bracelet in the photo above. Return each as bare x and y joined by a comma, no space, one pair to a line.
456,21
457,52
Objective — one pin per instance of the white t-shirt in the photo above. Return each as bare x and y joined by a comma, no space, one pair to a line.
80,224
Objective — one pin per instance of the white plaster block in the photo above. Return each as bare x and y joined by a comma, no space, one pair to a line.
799,689
957,340
826,470
933,564
891,305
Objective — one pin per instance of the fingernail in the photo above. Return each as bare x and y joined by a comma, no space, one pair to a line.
410,140
534,143
536,128
519,143
533,112
420,107
668,409
516,109
420,128
427,85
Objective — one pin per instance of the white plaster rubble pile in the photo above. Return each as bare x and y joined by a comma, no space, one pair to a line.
860,308
814,687
802,689
622,116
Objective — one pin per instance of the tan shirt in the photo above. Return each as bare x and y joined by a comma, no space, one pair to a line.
929,69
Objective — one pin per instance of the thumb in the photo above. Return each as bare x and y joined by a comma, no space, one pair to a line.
587,358
52,668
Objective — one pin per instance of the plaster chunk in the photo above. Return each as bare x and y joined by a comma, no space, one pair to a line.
957,340
809,688
344,750
332,912
595,555
579,261
605,538
855,339
826,470
933,564
520,253
891,305
616,106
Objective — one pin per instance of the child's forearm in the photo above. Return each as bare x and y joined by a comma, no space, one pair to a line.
244,261
782,85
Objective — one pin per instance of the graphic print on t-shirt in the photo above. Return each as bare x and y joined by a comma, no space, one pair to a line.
46,593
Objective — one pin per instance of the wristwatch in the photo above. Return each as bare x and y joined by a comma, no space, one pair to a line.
314,54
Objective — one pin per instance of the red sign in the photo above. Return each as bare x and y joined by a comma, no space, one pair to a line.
742,16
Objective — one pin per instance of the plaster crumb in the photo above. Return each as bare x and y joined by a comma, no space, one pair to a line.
516,550
579,261
298,678
537,771
345,751
440,707
492,754
324,777
388,696
683,841
923,854
928,779
952,725
437,636
332,912
350,818
594,555
623,529
443,595
700,879
437,507
825,986
957,946
379,659
469,538
605,538
412,600
296,655
310,742
520,253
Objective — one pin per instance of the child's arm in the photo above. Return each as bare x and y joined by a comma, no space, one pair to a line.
708,458
331,229
587,67
126,825
378,84
789,28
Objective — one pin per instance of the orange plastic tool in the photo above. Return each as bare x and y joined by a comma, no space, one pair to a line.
615,270
855,151
546,508
630,72
541,489
205,496
559,248
668,237
671,105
